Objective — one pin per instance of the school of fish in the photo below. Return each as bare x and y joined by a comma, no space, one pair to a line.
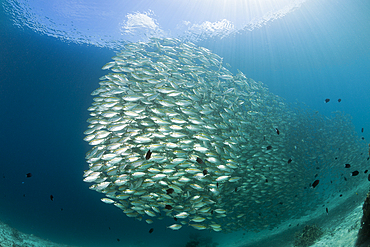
175,134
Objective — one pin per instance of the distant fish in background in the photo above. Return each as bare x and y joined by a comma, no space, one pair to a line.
362,130
315,183
52,197
28,175
170,191
327,100
347,166
339,100
148,155
355,173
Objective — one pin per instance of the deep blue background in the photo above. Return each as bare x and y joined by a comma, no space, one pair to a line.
45,88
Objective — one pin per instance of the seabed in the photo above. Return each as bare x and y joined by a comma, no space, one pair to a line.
11,237
340,228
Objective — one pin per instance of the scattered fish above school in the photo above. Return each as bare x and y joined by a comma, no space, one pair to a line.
176,134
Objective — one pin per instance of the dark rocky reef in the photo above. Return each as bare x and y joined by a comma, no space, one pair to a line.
363,239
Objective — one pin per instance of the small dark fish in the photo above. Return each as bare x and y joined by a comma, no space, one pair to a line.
28,175
277,131
24,195
336,158
327,100
362,130
109,227
236,189
118,239
170,191
217,184
368,158
315,183
52,197
289,161
212,212
151,230
342,195
205,172
345,178
281,203
175,218
368,177
363,138
148,155
267,180
199,160
169,207
347,165
316,175
365,171
61,209
339,100
355,173
327,211
268,147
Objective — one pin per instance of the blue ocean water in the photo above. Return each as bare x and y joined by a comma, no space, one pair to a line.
316,52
